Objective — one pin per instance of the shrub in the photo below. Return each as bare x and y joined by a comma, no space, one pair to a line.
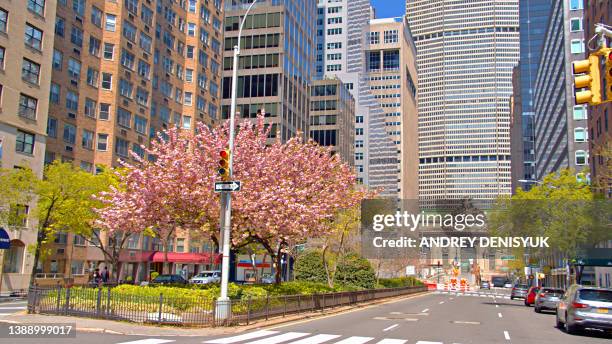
355,271
154,275
309,267
399,282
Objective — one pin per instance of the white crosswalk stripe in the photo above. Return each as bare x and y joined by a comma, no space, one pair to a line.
242,337
285,337
276,337
149,341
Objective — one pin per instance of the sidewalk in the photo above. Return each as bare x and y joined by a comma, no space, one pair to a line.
127,328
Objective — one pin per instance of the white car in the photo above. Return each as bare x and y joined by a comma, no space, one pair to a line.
507,285
206,277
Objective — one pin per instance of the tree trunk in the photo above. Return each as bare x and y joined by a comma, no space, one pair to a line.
279,268
40,237
330,282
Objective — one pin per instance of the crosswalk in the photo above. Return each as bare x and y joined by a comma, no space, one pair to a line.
8,308
474,293
276,337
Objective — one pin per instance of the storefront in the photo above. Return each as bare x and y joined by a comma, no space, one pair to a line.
184,264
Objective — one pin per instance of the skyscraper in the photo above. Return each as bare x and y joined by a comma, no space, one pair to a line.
533,17
560,125
465,54
276,62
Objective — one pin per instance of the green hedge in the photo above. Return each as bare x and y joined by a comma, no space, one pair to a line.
398,282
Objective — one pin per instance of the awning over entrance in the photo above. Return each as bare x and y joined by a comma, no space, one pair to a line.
594,257
194,258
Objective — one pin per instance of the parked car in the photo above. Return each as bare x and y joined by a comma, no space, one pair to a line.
519,291
169,279
507,284
498,281
485,285
268,279
531,295
582,307
547,298
206,277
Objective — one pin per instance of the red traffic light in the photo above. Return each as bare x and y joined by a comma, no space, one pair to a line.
224,154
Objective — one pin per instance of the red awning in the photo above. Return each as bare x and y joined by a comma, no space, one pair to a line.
176,257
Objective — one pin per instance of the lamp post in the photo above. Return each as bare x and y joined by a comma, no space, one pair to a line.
223,308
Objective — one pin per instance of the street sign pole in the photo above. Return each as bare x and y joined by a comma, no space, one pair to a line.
224,306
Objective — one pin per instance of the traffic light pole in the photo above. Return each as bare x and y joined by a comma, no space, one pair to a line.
224,307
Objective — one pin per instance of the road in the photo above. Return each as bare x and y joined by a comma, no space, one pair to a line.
438,318
9,307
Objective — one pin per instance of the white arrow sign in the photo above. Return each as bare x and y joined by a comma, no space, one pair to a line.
230,186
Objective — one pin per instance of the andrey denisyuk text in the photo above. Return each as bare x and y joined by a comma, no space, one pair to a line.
493,242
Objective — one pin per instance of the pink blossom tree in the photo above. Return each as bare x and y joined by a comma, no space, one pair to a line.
290,191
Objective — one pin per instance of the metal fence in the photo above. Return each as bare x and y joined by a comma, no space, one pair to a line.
190,311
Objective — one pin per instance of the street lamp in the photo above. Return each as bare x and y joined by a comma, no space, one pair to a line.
223,308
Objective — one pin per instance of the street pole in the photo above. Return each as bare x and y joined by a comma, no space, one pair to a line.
223,308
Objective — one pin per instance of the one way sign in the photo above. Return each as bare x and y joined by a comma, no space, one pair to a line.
230,186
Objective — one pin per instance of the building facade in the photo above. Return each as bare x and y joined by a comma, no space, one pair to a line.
122,71
533,17
517,140
332,117
391,67
26,45
465,54
598,119
561,130
276,63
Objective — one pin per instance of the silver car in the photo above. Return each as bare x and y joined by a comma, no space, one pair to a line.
585,307
547,298
519,291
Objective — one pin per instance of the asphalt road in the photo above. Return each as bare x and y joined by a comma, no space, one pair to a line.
443,318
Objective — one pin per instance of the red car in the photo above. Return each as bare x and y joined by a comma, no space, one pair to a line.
531,295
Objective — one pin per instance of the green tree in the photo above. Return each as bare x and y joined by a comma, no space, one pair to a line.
67,202
562,208
16,191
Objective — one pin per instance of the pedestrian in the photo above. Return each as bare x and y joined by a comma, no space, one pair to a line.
184,272
105,275
96,277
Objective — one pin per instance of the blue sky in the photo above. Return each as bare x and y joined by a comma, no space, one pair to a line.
389,8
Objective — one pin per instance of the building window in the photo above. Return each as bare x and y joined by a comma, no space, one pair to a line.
580,112
76,267
124,117
107,81
30,71
87,139
391,36
581,157
69,133
186,122
125,88
358,131
580,135
60,25
74,69
72,101
575,4
373,60
132,6
577,46
54,93
110,22
51,127
2,51
333,68
13,258
94,46
104,113
57,59
92,77
109,51
102,142
359,119
121,147
79,7
33,37
3,20
90,108
334,31
391,60
96,16
576,24
374,37
24,142
37,6
76,36
358,156
27,106
129,31
140,124
358,143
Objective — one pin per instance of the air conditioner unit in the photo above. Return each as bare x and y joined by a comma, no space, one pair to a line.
78,19
74,82
69,149
141,110
60,251
129,45
72,115
146,28
125,102
140,139
123,132
76,51
131,16
127,74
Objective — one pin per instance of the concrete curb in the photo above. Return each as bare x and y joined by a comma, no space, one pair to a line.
259,324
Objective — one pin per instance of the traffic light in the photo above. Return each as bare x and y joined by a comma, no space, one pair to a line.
590,81
224,170
608,56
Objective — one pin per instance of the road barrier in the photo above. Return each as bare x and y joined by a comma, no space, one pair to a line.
190,311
